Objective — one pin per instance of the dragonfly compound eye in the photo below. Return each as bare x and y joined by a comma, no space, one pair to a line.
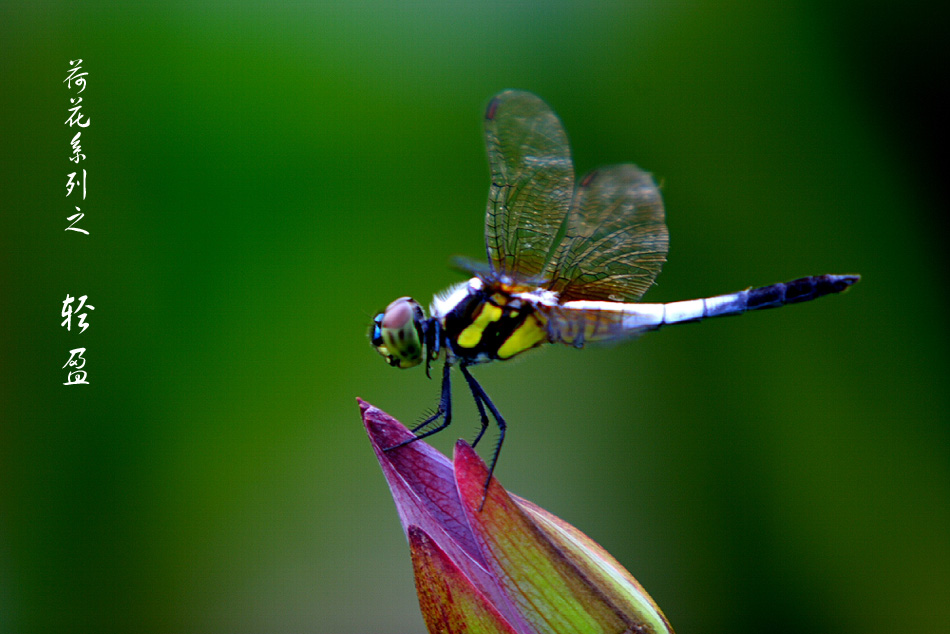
376,332
397,333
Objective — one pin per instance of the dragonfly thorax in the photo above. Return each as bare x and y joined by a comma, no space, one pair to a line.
487,320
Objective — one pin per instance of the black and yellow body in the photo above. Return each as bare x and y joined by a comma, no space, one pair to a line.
491,324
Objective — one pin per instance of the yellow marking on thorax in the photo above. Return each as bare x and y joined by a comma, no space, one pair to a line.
472,334
527,335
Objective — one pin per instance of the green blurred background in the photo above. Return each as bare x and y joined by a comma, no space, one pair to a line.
263,177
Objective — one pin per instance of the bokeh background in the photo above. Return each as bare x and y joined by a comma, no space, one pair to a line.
263,177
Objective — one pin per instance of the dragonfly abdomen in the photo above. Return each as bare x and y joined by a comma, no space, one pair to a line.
579,322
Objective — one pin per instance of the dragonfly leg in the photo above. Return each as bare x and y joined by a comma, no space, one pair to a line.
428,419
482,398
444,411
482,416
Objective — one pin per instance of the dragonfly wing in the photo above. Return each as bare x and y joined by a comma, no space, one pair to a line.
532,183
616,239
471,267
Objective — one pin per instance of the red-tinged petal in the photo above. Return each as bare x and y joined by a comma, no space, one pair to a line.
450,603
599,566
550,591
420,477
422,483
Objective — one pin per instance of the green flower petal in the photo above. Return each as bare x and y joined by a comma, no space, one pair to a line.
601,569
550,589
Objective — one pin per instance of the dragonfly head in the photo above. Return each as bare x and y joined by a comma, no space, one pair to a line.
397,333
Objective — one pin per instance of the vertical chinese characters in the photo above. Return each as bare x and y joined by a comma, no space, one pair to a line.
76,375
76,183
76,80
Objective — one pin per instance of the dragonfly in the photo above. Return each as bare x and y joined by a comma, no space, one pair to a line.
567,264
